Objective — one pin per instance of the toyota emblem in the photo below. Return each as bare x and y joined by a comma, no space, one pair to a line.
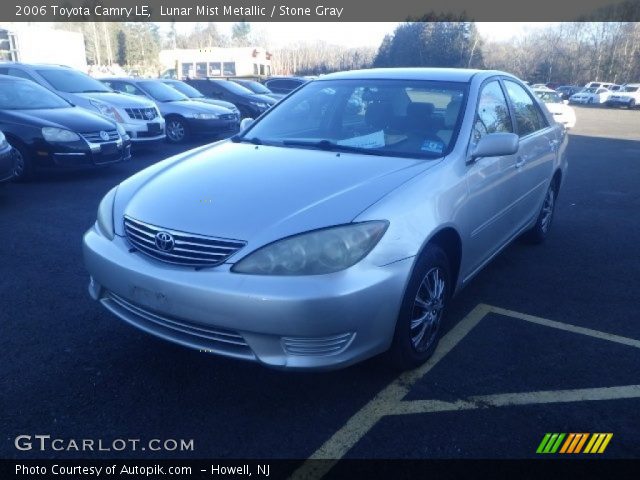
104,135
164,241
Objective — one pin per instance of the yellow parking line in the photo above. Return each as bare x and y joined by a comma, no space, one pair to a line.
389,400
358,425
568,327
513,399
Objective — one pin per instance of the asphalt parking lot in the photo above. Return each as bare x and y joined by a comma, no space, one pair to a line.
546,339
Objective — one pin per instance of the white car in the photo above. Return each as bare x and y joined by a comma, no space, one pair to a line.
628,96
591,95
562,113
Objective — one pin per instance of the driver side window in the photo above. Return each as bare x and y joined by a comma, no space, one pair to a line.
492,115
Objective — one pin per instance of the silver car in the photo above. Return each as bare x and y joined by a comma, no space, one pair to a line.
338,225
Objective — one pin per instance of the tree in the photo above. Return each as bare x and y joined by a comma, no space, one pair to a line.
240,32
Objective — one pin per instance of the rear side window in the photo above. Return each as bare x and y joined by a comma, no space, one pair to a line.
493,113
529,118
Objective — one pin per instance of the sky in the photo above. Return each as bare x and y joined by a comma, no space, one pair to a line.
357,34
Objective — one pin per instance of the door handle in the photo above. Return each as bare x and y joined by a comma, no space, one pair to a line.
519,161
554,144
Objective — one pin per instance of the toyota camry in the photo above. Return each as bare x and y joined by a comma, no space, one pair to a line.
338,225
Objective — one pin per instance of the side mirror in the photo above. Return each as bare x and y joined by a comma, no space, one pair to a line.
245,123
496,145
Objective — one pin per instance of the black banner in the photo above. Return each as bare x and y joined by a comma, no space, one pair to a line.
313,469
316,10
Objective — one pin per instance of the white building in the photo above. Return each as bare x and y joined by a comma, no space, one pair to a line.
35,44
216,62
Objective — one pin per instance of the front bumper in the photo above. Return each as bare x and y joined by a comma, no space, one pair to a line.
313,322
7,163
213,127
145,132
81,154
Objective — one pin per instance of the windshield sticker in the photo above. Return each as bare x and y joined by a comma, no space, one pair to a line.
433,146
373,140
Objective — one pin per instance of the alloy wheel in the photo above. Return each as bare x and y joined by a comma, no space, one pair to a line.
428,308
547,210
176,130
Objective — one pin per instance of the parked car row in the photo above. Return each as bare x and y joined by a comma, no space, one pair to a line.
54,116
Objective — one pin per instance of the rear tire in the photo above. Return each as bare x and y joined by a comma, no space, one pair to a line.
423,308
538,233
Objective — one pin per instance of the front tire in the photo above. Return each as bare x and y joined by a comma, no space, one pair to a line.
427,295
23,164
177,130
538,233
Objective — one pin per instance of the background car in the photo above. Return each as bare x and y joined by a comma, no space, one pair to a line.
628,96
337,234
250,104
47,131
561,112
194,94
139,117
7,159
184,117
284,85
566,91
591,95
257,87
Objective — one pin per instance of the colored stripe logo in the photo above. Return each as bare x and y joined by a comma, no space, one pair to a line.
574,442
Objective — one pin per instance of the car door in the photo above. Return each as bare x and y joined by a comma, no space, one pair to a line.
539,143
491,181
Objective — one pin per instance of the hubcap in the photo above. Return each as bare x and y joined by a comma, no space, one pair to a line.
547,210
175,130
18,168
427,310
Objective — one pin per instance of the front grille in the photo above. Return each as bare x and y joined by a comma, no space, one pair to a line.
317,346
194,335
141,113
94,137
188,248
228,116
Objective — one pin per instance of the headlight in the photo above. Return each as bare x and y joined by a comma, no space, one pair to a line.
107,110
105,214
315,253
3,140
52,134
202,116
121,130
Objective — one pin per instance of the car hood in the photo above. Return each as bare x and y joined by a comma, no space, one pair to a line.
71,118
121,100
193,107
261,98
259,194
218,103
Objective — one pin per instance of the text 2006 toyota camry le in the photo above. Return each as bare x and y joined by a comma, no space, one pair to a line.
338,225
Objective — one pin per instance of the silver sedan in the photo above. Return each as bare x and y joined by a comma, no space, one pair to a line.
338,225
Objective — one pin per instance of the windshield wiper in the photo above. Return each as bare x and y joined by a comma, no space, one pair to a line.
94,91
332,147
239,139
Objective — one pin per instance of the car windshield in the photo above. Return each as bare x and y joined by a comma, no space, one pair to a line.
185,89
161,92
408,118
589,90
549,97
256,87
26,95
233,87
72,81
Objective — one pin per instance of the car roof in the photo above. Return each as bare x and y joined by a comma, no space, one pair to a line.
11,78
436,74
